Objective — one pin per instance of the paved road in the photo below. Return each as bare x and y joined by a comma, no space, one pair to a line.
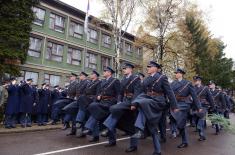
55,140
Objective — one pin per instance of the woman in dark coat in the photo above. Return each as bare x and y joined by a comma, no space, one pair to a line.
12,106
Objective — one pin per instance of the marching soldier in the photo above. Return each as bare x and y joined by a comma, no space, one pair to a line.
183,89
205,98
61,103
71,109
130,89
152,103
162,122
220,103
228,104
106,97
89,96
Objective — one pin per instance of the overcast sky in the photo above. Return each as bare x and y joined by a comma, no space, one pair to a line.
220,17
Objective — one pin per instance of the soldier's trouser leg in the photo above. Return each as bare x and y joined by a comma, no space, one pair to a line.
57,108
111,122
81,115
173,126
156,143
112,136
70,111
184,135
217,126
67,118
201,127
93,125
194,120
140,121
162,125
133,142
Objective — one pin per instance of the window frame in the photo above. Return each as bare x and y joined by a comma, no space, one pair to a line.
90,39
81,34
55,27
48,80
34,50
109,62
72,58
36,17
87,64
139,51
53,54
128,52
106,44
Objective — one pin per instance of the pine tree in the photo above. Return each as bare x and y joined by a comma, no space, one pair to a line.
205,53
15,26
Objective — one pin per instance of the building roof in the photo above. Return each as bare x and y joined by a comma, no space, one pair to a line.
76,12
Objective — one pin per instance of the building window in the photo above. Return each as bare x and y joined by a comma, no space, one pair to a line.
139,51
35,47
106,40
57,22
54,52
75,30
39,16
105,61
92,36
128,49
91,61
32,75
53,80
74,56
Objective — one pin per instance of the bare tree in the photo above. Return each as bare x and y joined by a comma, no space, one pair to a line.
120,13
161,19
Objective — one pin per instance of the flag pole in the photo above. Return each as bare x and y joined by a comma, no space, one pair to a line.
86,34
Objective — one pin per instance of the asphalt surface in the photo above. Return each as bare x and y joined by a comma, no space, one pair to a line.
40,142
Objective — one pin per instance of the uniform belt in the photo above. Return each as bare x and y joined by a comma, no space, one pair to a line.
107,97
128,95
181,98
152,93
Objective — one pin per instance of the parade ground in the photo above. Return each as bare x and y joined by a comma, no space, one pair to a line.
57,143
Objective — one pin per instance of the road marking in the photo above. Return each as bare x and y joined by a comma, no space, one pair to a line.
81,147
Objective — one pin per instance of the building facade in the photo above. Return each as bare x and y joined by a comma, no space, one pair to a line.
58,45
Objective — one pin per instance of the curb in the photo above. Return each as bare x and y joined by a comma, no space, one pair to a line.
34,128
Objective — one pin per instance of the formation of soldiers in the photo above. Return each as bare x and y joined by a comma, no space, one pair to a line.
136,104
